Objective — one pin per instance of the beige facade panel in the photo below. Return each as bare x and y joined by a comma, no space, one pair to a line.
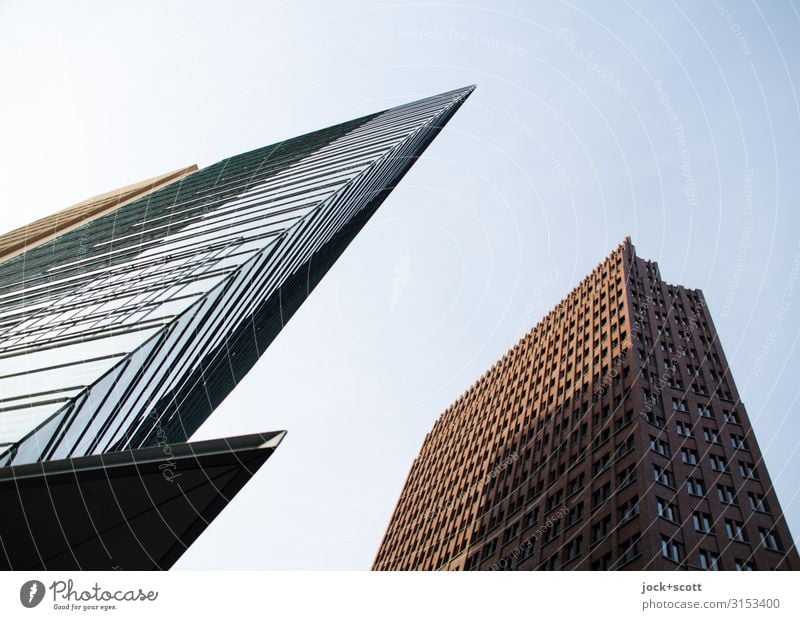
26,237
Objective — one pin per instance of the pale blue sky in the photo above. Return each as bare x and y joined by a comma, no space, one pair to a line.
675,123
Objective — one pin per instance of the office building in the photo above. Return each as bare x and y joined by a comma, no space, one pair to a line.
611,437
126,320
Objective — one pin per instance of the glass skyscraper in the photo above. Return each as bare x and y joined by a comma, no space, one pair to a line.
126,320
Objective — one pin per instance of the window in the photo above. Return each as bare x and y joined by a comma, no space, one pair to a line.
695,487
739,442
683,429
718,463
768,539
744,564
601,464
497,518
660,446
655,419
527,551
678,405
666,510
661,475
704,411
601,494
511,532
626,446
603,563
601,529
726,494
531,518
626,476
629,510
554,500
702,521
552,563
575,514
573,549
630,549
709,560
670,549
731,417
757,502
747,470
490,548
689,456
710,435
735,530
623,421
552,532
576,484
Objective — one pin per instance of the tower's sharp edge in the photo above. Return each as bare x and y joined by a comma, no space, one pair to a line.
129,330
126,320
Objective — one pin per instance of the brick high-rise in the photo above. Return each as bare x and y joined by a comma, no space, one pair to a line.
610,437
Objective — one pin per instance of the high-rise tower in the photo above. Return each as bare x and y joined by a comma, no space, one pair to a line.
126,320
610,437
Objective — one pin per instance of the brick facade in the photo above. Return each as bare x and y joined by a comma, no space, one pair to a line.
610,437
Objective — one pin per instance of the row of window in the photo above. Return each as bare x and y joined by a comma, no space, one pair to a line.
703,522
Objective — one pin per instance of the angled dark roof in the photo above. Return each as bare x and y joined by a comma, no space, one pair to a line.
132,510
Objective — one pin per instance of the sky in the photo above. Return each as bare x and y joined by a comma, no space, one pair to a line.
677,123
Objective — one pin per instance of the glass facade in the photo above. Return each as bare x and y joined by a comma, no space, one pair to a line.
129,330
